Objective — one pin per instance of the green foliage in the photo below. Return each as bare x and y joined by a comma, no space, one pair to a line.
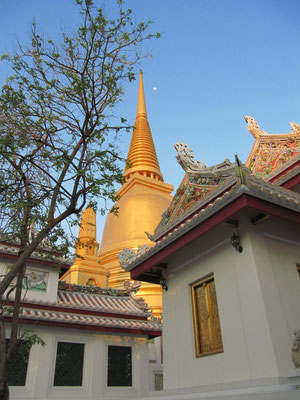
26,341
58,143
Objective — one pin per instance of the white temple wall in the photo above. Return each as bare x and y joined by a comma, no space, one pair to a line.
277,252
257,314
41,366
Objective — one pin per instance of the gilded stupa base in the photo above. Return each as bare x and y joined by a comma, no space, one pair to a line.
86,273
151,293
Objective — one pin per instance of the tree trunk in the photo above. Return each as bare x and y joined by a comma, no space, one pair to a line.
16,316
4,394
6,353
4,389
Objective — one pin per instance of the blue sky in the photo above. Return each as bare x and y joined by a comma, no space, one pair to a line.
217,61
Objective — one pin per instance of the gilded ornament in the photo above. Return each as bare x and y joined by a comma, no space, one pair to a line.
131,286
253,127
295,127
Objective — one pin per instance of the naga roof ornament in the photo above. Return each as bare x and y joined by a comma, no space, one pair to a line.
295,127
253,127
199,169
127,255
132,287
186,158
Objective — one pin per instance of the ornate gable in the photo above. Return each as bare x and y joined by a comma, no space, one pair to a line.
271,152
198,184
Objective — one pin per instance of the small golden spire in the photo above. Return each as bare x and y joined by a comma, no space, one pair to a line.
87,269
142,155
87,228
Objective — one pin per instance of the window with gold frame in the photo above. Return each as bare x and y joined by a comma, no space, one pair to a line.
207,328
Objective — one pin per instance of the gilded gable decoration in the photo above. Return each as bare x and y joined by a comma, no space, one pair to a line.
199,182
271,151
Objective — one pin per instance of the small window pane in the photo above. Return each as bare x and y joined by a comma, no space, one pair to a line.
158,381
119,366
69,364
16,368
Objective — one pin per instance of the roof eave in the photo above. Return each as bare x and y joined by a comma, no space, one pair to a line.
242,201
137,332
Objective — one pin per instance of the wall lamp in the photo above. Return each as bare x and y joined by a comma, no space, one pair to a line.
236,242
163,283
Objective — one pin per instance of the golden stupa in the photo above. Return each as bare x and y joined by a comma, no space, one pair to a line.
142,199
86,269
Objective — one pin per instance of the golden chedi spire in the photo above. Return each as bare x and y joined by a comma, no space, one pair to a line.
86,269
142,199
142,155
87,230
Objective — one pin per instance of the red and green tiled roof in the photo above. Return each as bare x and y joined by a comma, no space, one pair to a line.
82,307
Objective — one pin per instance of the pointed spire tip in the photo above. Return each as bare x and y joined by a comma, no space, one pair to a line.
141,106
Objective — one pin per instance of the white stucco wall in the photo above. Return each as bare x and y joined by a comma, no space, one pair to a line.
41,367
277,253
258,294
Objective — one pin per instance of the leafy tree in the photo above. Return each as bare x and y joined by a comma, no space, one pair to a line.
58,136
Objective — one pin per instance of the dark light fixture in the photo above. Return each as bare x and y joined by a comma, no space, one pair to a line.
163,283
236,242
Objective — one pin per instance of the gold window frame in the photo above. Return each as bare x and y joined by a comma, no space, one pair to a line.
215,338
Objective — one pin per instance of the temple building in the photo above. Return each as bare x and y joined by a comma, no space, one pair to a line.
95,339
228,248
